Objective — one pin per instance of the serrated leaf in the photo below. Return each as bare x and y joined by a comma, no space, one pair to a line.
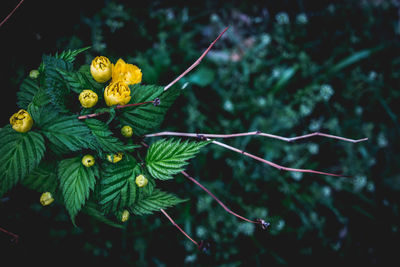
26,92
42,179
145,118
118,188
168,157
93,210
154,202
76,181
104,137
20,153
66,133
70,55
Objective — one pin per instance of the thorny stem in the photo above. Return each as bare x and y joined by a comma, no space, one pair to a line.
290,139
15,236
197,62
12,12
216,199
177,226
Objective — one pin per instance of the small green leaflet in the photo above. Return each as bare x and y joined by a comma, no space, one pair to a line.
118,188
20,153
76,181
168,157
26,92
154,202
92,209
145,118
70,55
104,137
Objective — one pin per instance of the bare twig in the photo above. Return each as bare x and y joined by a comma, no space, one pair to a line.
15,236
287,139
12,12
197,62
177,226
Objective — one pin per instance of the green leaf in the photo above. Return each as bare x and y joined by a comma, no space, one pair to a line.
42,179
92,210
76,181
70,55
66,133
104,137
167,157
20,153
118,188
154,202
146,118
26,92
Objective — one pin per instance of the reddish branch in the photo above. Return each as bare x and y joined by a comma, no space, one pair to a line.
15,236
12,12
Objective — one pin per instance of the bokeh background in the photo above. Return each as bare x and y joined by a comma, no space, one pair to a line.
283,67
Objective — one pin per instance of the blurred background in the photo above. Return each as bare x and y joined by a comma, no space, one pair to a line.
283,67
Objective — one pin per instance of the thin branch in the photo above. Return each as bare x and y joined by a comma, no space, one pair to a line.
15,236
12,12
287,139
177,226
216,199
197,62
279,167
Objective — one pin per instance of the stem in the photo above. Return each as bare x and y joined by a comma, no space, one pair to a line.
177,226
279,167
216,199
12,12
15,236
197,62
291,139
117,107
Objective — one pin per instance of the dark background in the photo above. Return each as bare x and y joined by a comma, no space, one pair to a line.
357,222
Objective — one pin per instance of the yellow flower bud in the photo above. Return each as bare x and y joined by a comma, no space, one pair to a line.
101,69
117,93
127,131
114,158
88,160
141,181
46,199
21,121
125,216
88,98
33,74
127,73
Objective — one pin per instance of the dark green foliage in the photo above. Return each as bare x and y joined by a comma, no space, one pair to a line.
76,183
43,178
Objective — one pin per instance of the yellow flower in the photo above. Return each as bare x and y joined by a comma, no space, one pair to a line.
33,74
101,69
88,98
128,73
117,93
21,121
141,181
114,158
46,199
125,216
88,160
127,131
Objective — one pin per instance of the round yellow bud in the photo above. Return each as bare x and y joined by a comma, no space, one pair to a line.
114,158
125,216
33,74
101,69
127,73
117,93
127,131
46,199
141,181
21,121
88,160
88,98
